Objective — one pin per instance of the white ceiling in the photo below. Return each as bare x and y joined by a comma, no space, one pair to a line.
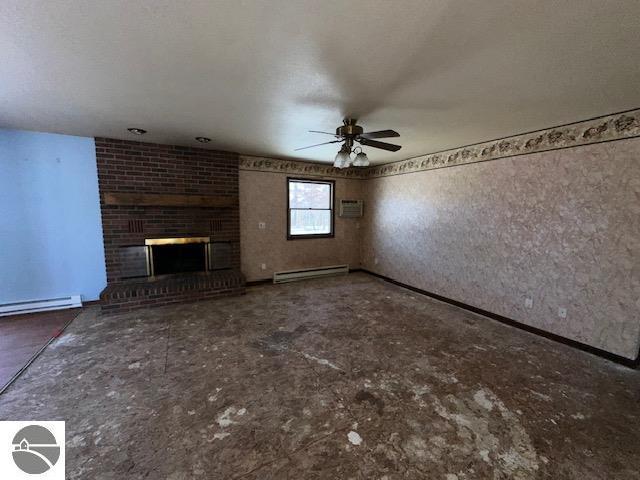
256,75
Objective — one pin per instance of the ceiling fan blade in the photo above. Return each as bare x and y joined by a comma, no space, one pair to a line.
380,134
318,144
375,144
326,133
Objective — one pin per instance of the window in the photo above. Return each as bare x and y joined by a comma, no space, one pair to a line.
309,208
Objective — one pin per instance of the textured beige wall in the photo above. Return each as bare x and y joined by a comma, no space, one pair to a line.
562,227
263,198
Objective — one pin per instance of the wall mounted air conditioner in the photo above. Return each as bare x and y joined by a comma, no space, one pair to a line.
351,208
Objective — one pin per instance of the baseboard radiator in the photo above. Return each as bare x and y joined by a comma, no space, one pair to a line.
307,273
29,306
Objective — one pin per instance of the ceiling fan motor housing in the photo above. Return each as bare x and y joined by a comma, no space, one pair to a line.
349,129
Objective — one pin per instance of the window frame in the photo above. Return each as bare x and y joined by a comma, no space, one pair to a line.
332,209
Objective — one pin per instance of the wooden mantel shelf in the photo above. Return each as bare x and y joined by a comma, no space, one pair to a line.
169,200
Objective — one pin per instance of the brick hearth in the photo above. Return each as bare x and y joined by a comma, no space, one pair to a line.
132,294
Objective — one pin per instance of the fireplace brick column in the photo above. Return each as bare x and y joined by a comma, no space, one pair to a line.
146,168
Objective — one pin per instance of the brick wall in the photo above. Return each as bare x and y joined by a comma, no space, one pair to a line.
125,166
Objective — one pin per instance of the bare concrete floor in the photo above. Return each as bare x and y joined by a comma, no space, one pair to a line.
342,378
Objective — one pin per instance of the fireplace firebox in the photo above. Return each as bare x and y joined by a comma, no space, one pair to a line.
177,255
165,256
180,258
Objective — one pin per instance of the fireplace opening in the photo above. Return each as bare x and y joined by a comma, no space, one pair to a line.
165,256
179,258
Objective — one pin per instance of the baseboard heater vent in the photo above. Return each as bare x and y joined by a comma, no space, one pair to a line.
306,273
29,306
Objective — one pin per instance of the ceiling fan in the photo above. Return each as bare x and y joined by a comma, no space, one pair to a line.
349,133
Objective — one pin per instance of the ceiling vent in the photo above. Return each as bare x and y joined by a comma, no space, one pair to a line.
351,208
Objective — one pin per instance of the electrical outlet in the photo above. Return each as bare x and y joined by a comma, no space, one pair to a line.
262,225
263,266
528,302
562,312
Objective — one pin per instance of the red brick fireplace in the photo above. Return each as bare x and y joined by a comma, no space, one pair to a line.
179,203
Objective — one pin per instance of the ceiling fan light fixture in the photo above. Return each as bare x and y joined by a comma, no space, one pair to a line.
343,159
361,160
203,139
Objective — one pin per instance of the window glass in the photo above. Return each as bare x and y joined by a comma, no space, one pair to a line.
310,210
309,195
310,222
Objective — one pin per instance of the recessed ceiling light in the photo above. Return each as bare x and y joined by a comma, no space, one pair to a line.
203,139
137,131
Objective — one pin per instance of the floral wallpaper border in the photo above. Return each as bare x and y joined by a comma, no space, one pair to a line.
296,167
616,126
607,128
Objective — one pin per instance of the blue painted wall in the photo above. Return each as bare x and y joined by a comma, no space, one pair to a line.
50,227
